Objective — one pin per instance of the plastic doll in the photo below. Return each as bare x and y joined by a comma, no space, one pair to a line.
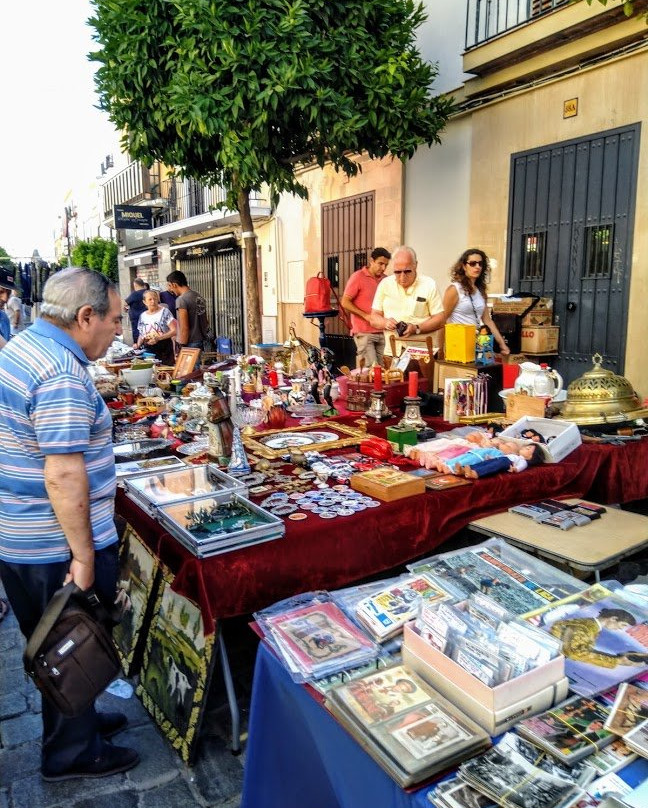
485,351
525,457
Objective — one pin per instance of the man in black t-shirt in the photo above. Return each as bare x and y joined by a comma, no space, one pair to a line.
191,312
135,304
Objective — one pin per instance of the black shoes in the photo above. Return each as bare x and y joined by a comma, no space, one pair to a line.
112,760
111,723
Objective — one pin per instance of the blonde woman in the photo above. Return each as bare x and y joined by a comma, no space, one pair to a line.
156,328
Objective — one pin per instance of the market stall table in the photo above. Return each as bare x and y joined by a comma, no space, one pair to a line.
589,548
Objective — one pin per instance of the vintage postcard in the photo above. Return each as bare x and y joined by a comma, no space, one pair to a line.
629,709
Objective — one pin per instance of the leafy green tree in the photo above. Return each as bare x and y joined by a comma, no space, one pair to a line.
5,258
240,93
628,6
99,254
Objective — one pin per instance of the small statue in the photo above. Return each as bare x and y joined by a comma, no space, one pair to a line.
322,369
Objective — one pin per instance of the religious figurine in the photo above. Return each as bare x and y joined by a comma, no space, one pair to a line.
322,370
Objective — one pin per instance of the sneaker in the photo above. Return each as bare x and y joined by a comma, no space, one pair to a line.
111,723
113,760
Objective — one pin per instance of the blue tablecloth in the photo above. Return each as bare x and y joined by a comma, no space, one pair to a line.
298,756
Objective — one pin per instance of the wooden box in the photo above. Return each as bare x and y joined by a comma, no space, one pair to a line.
542,339
519,405
387,484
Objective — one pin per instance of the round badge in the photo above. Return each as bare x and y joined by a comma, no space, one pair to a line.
297,516
327,514
307,506
372,504
358,506
295,495
341,487
345,511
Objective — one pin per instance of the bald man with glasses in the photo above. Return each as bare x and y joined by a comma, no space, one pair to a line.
406,297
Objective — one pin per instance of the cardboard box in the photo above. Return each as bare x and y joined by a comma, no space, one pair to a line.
387,484
494,721
540,340
562,436
520,404
540,314
451,679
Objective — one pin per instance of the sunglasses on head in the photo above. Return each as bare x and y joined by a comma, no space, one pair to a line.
402,271
475,263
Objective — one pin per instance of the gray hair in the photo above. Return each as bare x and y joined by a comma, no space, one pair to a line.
404,248
73,287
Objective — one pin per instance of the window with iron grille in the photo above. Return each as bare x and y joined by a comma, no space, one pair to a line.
533,256
599,240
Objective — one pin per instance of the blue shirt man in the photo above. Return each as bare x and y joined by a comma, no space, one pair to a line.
57,485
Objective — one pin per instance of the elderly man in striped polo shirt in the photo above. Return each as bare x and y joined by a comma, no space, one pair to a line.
57,488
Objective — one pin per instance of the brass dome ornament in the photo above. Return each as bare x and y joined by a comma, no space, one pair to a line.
599,396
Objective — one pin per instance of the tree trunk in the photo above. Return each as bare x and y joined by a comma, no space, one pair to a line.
253,329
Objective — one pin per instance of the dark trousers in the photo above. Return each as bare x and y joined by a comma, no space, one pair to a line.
29,588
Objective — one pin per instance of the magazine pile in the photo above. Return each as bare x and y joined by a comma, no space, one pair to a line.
313,637
384,612
409,729
604,636
510,577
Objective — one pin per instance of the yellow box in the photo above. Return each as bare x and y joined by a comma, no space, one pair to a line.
460,341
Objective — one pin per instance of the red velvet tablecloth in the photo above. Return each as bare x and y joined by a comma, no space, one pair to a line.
328,554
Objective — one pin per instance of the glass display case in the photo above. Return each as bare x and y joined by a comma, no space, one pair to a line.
186,484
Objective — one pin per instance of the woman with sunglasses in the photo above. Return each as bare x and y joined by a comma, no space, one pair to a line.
464,300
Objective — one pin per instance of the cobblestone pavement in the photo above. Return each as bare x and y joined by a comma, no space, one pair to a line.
161,780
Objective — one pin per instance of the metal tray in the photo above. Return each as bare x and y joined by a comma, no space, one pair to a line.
220,535
151,491
139,468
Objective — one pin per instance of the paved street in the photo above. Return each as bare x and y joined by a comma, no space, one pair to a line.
161,780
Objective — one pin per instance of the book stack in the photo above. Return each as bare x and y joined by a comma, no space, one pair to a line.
406,726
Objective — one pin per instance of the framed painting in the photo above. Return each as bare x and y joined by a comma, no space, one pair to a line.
316,437
177,667
138,577
186,362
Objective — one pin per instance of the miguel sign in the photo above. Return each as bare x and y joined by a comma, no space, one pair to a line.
132,217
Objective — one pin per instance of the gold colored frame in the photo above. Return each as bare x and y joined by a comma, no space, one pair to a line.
354,436
186,362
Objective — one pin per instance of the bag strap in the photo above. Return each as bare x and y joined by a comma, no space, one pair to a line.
48,620
341,310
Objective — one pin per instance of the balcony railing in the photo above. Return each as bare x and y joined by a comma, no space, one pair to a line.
486,19
172,199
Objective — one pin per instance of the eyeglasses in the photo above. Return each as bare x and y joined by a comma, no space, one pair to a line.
475,263
403,271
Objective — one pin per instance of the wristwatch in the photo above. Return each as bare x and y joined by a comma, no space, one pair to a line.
418,328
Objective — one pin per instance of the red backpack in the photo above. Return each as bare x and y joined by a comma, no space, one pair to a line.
318,294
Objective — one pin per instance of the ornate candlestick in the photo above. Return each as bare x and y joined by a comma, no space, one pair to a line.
377,408
412,417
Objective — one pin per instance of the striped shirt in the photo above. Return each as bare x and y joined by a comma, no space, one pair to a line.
49,405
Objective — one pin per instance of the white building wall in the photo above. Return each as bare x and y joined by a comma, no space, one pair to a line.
437,179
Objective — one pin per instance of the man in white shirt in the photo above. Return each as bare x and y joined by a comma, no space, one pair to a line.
406,297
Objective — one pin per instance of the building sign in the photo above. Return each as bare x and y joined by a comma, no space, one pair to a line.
132,217
570,108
